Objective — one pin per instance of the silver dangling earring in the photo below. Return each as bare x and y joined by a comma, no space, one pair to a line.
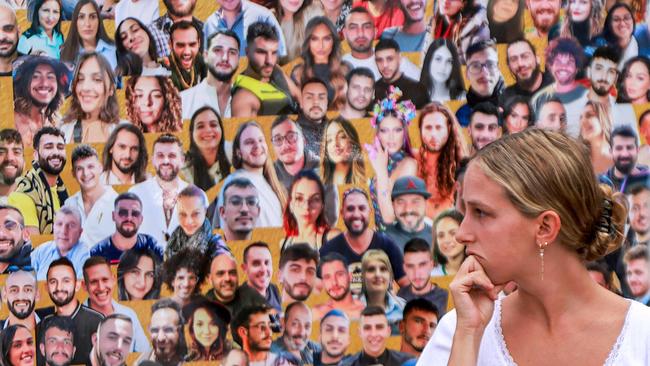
541,255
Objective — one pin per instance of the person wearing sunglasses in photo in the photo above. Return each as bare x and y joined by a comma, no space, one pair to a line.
13,232
128,216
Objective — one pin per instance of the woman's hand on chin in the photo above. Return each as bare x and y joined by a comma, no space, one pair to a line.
474,295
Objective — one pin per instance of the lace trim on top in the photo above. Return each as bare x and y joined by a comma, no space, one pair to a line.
614,353
501,341
503,347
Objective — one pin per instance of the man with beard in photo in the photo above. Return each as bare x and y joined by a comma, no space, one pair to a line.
8,39
334,338
39,85
252,330
128,216
263,88
312,119
41,192
359,238
112,342
545,14
12,161
124,160
297,331
409,197
333,271
62,285
21,294
159,193
523,64
15,247
177,11
222,59
185,61
167,336
626,174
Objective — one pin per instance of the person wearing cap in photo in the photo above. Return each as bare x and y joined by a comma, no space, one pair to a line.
409,197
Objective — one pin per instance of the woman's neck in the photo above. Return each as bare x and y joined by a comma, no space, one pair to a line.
287,16
307,229
453,264
49,33
440,90
91,117
333,14
209,155
341,173
151,127
623,43
89,46
376,299
566,288
640,100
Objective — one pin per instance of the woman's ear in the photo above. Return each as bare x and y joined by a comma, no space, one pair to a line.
548,227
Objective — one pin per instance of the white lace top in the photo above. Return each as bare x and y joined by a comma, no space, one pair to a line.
632,347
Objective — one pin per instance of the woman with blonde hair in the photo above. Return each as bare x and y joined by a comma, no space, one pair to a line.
341,157
535,214
377,275
595,131
153,104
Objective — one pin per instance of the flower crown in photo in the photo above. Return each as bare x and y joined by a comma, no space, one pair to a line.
405,110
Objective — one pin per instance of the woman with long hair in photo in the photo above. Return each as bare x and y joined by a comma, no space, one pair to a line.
321,54
138,275
18,347
153,104
506,19
517,115
464,22
43,37
207,324
304,215
441,72
87,34
206,163
595,130
136,50
634,83
93,113
376,289
337,11
442,147
391,156
341,157
618,32
584,20
448,254
293,17
524,224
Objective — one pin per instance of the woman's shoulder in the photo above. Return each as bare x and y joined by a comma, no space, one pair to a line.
633,344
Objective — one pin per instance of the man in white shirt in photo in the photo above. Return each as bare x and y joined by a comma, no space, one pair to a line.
222,59
94,201
159,193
